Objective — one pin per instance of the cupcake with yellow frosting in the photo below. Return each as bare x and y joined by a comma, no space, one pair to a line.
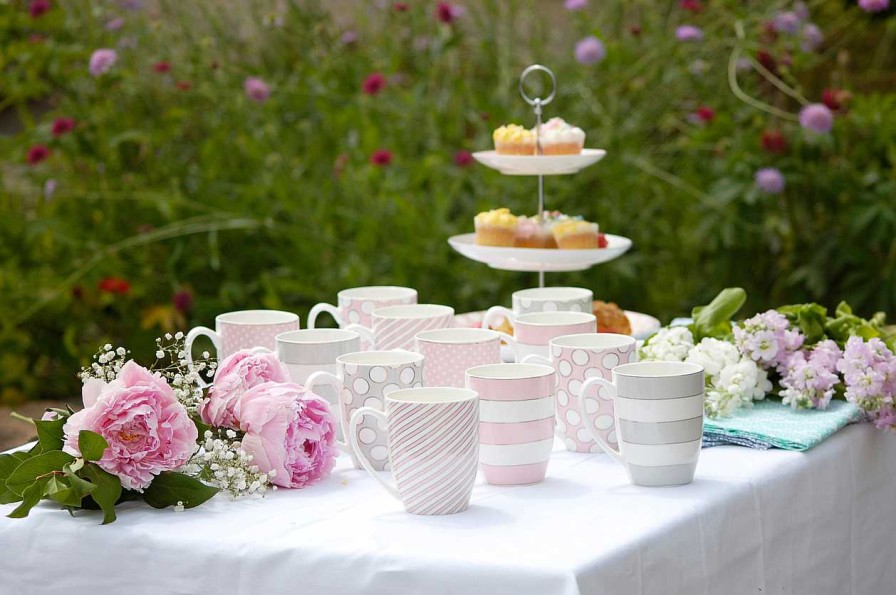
496,228
575,234
513,139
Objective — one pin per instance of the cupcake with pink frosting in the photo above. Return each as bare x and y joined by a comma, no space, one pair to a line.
557,137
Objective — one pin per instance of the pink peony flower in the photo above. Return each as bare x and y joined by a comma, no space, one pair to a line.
874,5
257,89
101,61
817,118
373,84
147,429
239,372
290,431
770,180
688,33
590,50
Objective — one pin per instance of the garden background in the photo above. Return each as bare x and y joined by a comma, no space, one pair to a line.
232,154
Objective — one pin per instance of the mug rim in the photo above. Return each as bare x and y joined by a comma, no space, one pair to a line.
534,371
398,291
571,341
485,335
287,338
284,317
684,369
418,395
380,357
426,311
536,293
575,318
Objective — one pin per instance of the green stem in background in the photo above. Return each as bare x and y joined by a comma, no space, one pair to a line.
21,417
736,54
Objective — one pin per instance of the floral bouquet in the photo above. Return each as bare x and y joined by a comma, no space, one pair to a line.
154,434
797,352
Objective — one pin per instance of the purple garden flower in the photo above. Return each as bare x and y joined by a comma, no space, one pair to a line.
575,4
817,118
689,33
349,37
590,51
115,24
101,61
770,180
257,89
801,10
808,382
874,5
812,38
786,22
767,339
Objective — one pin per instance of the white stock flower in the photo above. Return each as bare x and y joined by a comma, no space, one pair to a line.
668,344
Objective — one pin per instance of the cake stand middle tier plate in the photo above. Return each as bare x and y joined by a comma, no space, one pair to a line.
539,259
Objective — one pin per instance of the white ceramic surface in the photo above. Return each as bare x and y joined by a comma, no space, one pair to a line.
643,325
539,165
539,259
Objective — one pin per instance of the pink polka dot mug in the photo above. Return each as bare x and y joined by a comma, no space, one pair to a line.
451,352
356,305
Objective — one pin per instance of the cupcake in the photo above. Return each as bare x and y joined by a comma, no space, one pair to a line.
575,234
496,228
556,137
532,232
513,139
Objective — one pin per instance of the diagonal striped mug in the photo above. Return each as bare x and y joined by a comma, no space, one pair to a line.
659,420
433,447
394,327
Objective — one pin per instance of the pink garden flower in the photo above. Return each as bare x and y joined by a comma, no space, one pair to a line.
691,5
36,154
115,24
573,5
770,180
688,33
381,157
817,118
37,8
147,429
257,89
874,5
448,13
62,126
101,61
463,158
162,66
590,50
373,84
290,431
238,373
705,114
773,141
349,37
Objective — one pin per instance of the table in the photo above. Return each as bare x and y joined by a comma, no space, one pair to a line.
820,522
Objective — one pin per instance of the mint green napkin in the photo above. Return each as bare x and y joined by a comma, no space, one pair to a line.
769,424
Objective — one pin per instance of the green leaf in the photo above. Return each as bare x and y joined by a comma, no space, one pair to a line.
8,464
169,488
91,445
106,492
714,319
810,318
31,469
49,434
30,497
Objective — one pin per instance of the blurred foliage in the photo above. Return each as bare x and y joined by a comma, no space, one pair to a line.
177,184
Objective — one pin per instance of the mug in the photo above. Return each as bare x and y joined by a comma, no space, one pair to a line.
658,420
394,327
313,350
533,332
433,447
357,304
243,329
576,359
540,299
516,420
450,352
363,380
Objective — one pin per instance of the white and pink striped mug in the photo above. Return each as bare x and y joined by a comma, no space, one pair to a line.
450,352
433,447
516,420
394,327
356,305
532,333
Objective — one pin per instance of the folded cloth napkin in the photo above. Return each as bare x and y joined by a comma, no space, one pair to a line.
769,424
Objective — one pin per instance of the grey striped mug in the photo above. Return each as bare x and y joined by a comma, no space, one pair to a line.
658,410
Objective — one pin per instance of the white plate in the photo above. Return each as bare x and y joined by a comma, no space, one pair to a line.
539,165
643,325
539,259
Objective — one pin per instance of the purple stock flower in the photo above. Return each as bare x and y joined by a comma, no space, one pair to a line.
101,61
869,373
770,180
590,51
809,382
688,33
767,339
874,5
786,22
812,38
817,118
575,4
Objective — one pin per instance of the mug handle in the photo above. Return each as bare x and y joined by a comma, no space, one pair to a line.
357,416
496,312
200,331
366,333
534,358
322,307
596,380
336,382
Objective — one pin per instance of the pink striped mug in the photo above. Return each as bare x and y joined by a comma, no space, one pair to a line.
394,327
516,423
450,352
433,447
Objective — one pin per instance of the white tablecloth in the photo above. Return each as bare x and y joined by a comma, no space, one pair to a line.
753,522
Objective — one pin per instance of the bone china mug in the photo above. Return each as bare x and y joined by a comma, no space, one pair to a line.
516,421
394,327
541,299
243,329
658,419
533,332
576,359
365,378
357,304
450,352
433,447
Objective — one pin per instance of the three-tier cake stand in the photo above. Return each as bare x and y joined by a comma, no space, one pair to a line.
539,260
